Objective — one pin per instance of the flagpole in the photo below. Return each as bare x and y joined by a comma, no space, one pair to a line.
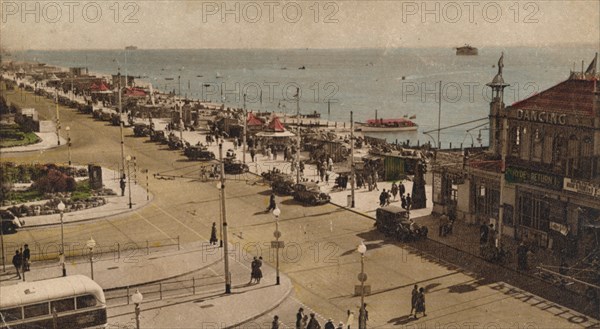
298,138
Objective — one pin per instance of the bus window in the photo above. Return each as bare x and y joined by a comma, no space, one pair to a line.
31,311
11,314
63,305
86,301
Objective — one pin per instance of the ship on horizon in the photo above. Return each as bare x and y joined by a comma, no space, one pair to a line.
131,48
467,50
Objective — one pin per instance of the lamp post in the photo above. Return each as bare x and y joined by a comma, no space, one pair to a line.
352,166
129,181
225,247
137,298
245,132
277,234
121,122
61,208
68,129
362,277
298,138
220,217
57,120
91,244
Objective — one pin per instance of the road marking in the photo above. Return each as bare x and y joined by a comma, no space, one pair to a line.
180,222
156,227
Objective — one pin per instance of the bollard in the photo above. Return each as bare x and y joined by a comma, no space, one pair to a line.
450,145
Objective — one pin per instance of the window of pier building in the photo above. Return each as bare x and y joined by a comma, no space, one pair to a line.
537,211
559,150
486,198
538,145
573,157
515,140
525,142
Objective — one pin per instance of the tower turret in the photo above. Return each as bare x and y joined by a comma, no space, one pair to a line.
497,109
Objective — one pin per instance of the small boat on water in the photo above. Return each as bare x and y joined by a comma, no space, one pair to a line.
169,78
219,76
377,125
467,50
131,48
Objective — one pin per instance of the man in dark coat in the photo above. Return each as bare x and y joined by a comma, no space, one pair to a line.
272,204
382,198
329,324
413,299
313,323
213,234
17,261
122,185
275,324
299,317
26,256
402,189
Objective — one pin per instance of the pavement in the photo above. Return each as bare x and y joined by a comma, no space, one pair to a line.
205,304
48,141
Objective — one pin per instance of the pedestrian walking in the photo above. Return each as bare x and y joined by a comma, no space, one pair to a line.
235,144
272,204
122,185
420,304
213,234
413,299
304,323
408,201
394,190
329,324
375,182
327,178
382,198
259,270
26,256
313,323
17,261
275,324
402,189
299,317
363,316
522,250
253,267
350,320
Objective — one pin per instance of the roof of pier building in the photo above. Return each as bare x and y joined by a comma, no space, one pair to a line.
575,96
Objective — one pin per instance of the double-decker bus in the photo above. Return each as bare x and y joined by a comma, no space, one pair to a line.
70,302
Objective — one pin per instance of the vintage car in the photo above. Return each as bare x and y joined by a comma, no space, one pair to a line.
10,222
281,183
395,222
233,166
141,129
310,193
174,142
197,152
158,136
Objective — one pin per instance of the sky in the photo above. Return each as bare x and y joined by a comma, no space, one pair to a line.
278,24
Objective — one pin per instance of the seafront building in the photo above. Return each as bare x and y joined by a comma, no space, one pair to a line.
550,196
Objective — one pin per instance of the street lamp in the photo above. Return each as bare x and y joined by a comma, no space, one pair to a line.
362,277
225,246
61,208
91,244
129,180
137,298
277,234
69,143
220,217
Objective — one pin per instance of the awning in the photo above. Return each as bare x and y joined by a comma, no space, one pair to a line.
275,134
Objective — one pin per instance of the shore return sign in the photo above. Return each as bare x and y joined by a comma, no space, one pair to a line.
544,117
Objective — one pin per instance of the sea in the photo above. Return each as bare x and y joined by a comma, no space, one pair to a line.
382,83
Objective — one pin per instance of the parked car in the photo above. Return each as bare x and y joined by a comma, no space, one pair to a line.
310,193
141,130
281,183
395,222
10,222
234,166
196,152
